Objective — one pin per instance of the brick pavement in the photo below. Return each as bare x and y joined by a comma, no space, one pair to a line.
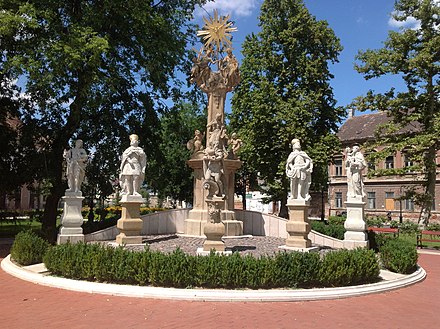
27,305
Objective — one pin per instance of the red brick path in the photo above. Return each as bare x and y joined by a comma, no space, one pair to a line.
27,305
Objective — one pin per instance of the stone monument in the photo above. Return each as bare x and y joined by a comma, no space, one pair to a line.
299,167
71,220
132,174
215,74
355,226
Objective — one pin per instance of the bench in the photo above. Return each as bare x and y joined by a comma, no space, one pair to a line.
387,230
427,236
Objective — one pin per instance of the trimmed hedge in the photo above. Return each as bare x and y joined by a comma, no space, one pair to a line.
96,262
334,230
398,255
28,248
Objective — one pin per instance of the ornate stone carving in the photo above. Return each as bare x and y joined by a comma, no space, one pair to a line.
76,161
355,163
299,168
132,168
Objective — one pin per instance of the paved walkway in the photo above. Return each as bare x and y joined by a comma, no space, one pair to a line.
27,305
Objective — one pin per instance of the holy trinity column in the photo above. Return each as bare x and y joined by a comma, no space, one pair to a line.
215,71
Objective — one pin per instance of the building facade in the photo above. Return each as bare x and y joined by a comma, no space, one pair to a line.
382,193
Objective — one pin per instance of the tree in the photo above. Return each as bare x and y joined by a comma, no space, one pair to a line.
285,93
86,64
414,54
175,178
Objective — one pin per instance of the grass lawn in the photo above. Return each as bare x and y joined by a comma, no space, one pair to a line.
10,229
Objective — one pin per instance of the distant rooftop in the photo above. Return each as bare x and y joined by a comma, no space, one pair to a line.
362,128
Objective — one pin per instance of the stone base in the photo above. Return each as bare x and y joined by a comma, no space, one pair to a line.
122,239
70,238
298,242
353,244
298,226
233,227
71,230
309,249
202,252
194,227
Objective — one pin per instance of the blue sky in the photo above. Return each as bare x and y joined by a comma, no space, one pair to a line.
359,24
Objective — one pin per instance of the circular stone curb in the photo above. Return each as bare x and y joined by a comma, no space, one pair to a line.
218,295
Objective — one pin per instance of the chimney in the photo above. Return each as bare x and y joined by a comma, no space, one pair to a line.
351,113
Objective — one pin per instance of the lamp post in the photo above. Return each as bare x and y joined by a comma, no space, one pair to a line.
400,207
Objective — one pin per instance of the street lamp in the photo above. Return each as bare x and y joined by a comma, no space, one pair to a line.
400,207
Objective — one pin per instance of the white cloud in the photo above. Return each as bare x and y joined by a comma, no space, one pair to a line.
236,8
409,23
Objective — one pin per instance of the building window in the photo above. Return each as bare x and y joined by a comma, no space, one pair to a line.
338,200
389,200
338,167
371,196
409,204
407,161
389,162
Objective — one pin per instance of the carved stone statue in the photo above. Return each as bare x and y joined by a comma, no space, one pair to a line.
195,144
76,161
355,163
235,145
299,168
215,152
132,168
229,69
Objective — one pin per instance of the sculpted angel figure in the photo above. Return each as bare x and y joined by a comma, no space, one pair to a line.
195,144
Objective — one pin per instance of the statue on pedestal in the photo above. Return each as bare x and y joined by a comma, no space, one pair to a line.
355,163
235,145
133,165
195,144
76,160
214,154
299,169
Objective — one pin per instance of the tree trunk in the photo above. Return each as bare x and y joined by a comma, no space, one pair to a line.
431,176
283,209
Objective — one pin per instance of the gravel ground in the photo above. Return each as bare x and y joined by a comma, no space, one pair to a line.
246,245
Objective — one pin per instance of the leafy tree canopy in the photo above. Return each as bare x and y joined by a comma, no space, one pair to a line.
414,55
91,69
285,93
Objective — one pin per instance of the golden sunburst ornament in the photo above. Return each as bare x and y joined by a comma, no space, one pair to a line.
217,31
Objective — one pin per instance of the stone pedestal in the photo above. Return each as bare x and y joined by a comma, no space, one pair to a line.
198,216
72,219
214,229
355,226
130,224
298,226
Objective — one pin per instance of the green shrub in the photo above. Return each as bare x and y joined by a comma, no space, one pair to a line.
337,220
177,269
333,230
377,240
408,227
433,227
28,248
398,255
349,267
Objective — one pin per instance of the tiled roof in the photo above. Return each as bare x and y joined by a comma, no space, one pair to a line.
361,128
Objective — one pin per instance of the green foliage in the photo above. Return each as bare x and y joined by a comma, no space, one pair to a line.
334,230
177,127
336,220
433,227
377,240
414,120
28,248
346,267
95,70
399,256
408,227
177,269
285,93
